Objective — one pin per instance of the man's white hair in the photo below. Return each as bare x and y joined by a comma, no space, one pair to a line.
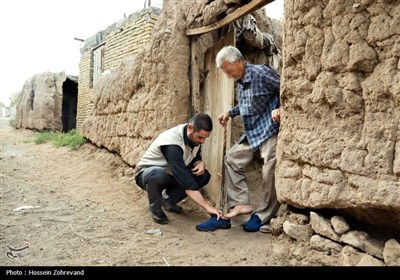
228,54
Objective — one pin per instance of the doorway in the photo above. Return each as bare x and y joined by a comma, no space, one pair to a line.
69,105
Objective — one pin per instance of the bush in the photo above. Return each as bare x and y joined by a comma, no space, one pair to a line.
44,136
71,139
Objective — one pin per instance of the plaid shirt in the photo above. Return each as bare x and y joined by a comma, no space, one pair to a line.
258,95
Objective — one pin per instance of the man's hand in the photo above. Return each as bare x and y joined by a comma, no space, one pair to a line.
224,118
199,168
212,210
276,115
199,199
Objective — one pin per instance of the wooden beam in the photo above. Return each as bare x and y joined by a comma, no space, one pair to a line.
238,13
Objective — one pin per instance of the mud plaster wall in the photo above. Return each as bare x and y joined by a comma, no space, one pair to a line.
339,144
145,93
151,91
121,39
39,104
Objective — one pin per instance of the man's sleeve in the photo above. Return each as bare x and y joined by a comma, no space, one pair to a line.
273,81
183,175
234,111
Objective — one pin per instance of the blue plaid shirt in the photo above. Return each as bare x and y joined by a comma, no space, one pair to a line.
258,95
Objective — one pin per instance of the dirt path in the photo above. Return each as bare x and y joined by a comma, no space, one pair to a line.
82,208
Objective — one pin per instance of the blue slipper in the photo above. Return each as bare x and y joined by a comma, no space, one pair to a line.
213,224
253,224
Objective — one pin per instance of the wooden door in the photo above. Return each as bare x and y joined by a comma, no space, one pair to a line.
218,98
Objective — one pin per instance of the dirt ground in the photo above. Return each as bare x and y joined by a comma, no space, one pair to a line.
82,208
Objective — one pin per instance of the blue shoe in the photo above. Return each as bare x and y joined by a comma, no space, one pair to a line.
213,224
253,224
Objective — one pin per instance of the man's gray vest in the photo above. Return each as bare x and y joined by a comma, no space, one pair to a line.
154,157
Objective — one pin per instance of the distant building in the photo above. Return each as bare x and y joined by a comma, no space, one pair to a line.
48,101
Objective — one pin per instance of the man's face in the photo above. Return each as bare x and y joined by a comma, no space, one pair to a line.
197,137
233,70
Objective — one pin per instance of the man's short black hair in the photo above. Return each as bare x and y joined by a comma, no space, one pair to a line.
201,121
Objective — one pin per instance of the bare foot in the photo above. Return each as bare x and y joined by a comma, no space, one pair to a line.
239,210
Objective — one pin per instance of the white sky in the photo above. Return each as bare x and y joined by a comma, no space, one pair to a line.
38,35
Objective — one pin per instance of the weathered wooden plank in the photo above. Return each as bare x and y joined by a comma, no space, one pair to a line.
238,13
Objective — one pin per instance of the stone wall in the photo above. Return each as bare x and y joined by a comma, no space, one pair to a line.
339,144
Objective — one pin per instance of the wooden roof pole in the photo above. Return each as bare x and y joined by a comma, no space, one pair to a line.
238,13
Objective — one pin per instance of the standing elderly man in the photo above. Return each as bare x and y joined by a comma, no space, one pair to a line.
258,105
173,163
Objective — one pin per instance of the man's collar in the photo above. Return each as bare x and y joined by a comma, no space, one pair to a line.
247,73
186,138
